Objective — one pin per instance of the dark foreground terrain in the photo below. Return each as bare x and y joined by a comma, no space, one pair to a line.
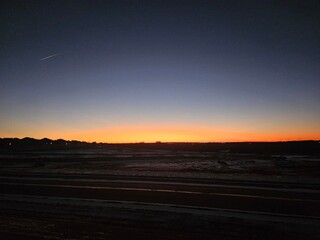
159,191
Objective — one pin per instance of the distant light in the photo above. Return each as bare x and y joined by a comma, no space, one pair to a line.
9,144
51,143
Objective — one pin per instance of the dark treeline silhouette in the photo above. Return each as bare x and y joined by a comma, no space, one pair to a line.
290,147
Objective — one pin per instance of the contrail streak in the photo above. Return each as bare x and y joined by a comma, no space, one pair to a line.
50,56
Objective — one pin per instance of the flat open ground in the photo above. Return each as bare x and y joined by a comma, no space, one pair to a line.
117,192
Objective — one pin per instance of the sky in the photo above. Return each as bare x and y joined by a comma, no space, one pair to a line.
173,71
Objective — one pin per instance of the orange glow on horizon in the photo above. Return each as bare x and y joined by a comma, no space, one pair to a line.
133,134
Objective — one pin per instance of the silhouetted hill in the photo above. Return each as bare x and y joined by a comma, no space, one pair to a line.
27,143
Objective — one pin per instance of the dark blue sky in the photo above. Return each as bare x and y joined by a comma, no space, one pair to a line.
183,70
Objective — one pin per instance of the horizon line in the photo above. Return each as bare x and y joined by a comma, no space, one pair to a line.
167,142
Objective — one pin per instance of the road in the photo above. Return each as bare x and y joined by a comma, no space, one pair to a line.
286,203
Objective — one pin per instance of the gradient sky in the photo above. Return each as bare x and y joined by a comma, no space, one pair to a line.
131,71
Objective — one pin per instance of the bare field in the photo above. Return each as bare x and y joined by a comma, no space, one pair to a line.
140,162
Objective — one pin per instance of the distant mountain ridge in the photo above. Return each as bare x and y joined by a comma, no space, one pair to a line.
41,143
